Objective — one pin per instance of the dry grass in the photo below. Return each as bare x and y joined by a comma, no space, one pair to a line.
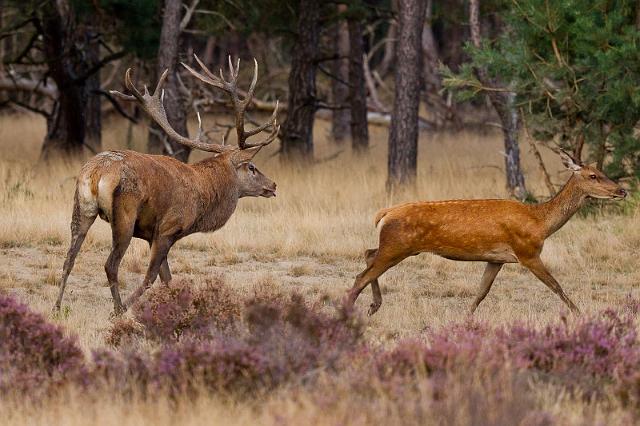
310,238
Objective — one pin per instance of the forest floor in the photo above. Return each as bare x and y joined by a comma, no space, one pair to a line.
310,240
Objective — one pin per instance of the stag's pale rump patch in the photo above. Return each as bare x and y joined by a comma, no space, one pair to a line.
106,185
86,199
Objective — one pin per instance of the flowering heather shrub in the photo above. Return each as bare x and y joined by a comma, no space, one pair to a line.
593,351
279,339
298,338
34,354
180,308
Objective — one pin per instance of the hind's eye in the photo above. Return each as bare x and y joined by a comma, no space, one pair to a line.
593,176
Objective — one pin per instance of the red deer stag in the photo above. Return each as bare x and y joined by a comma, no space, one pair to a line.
492,231
160,199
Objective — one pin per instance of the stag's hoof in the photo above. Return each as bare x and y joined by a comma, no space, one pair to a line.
373,308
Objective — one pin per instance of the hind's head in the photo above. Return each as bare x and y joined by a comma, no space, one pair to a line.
592,181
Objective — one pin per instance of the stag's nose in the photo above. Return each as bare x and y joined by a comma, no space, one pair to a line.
622,192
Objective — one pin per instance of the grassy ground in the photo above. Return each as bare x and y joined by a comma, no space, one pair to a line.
309,239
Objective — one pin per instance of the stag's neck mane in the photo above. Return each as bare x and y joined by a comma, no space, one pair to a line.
220,192
559,209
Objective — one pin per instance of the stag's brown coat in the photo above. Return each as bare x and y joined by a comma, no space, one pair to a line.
160,199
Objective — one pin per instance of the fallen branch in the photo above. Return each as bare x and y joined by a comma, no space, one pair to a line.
26,85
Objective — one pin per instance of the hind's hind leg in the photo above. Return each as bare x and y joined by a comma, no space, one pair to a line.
81,221
369,256
378,262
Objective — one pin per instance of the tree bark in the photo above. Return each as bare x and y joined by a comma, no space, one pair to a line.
93,126
357,93
297,130
432,80
389,45
504,104
403,135
340,119
173,99
68,66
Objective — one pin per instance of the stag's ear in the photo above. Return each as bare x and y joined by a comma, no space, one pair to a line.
242,156
569,162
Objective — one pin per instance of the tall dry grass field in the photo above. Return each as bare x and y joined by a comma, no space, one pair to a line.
308,239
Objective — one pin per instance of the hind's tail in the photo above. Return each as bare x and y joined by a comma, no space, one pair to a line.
380,215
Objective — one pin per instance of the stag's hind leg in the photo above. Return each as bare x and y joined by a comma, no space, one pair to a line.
123,220
84,214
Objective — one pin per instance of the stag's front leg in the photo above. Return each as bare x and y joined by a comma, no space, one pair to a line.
159,249
165,272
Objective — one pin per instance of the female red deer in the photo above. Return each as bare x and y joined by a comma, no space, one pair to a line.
160,199
492,231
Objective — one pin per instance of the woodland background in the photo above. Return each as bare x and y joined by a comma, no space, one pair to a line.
381,102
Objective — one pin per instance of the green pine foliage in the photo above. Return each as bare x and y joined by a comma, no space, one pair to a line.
575,67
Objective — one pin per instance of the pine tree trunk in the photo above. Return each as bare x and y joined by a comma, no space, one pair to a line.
432,79
93,126
297,130
403,135
357,93
340,120
173,100
389,45
504,104
66,126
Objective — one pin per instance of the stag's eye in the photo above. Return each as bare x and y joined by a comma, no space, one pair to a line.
252,168
593,176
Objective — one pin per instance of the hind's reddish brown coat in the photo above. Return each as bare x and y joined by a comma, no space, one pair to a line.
492,231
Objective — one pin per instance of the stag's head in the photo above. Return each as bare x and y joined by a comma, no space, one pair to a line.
251,182
592,181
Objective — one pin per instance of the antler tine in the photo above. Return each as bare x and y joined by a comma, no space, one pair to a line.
252,87
272,136
204,68
161,81
237,69
271,122
153,105
209,78
240,104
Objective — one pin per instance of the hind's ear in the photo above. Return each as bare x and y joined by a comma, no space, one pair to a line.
569,162
242,156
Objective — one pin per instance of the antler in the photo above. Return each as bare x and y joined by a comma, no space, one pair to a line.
153,105
239,104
